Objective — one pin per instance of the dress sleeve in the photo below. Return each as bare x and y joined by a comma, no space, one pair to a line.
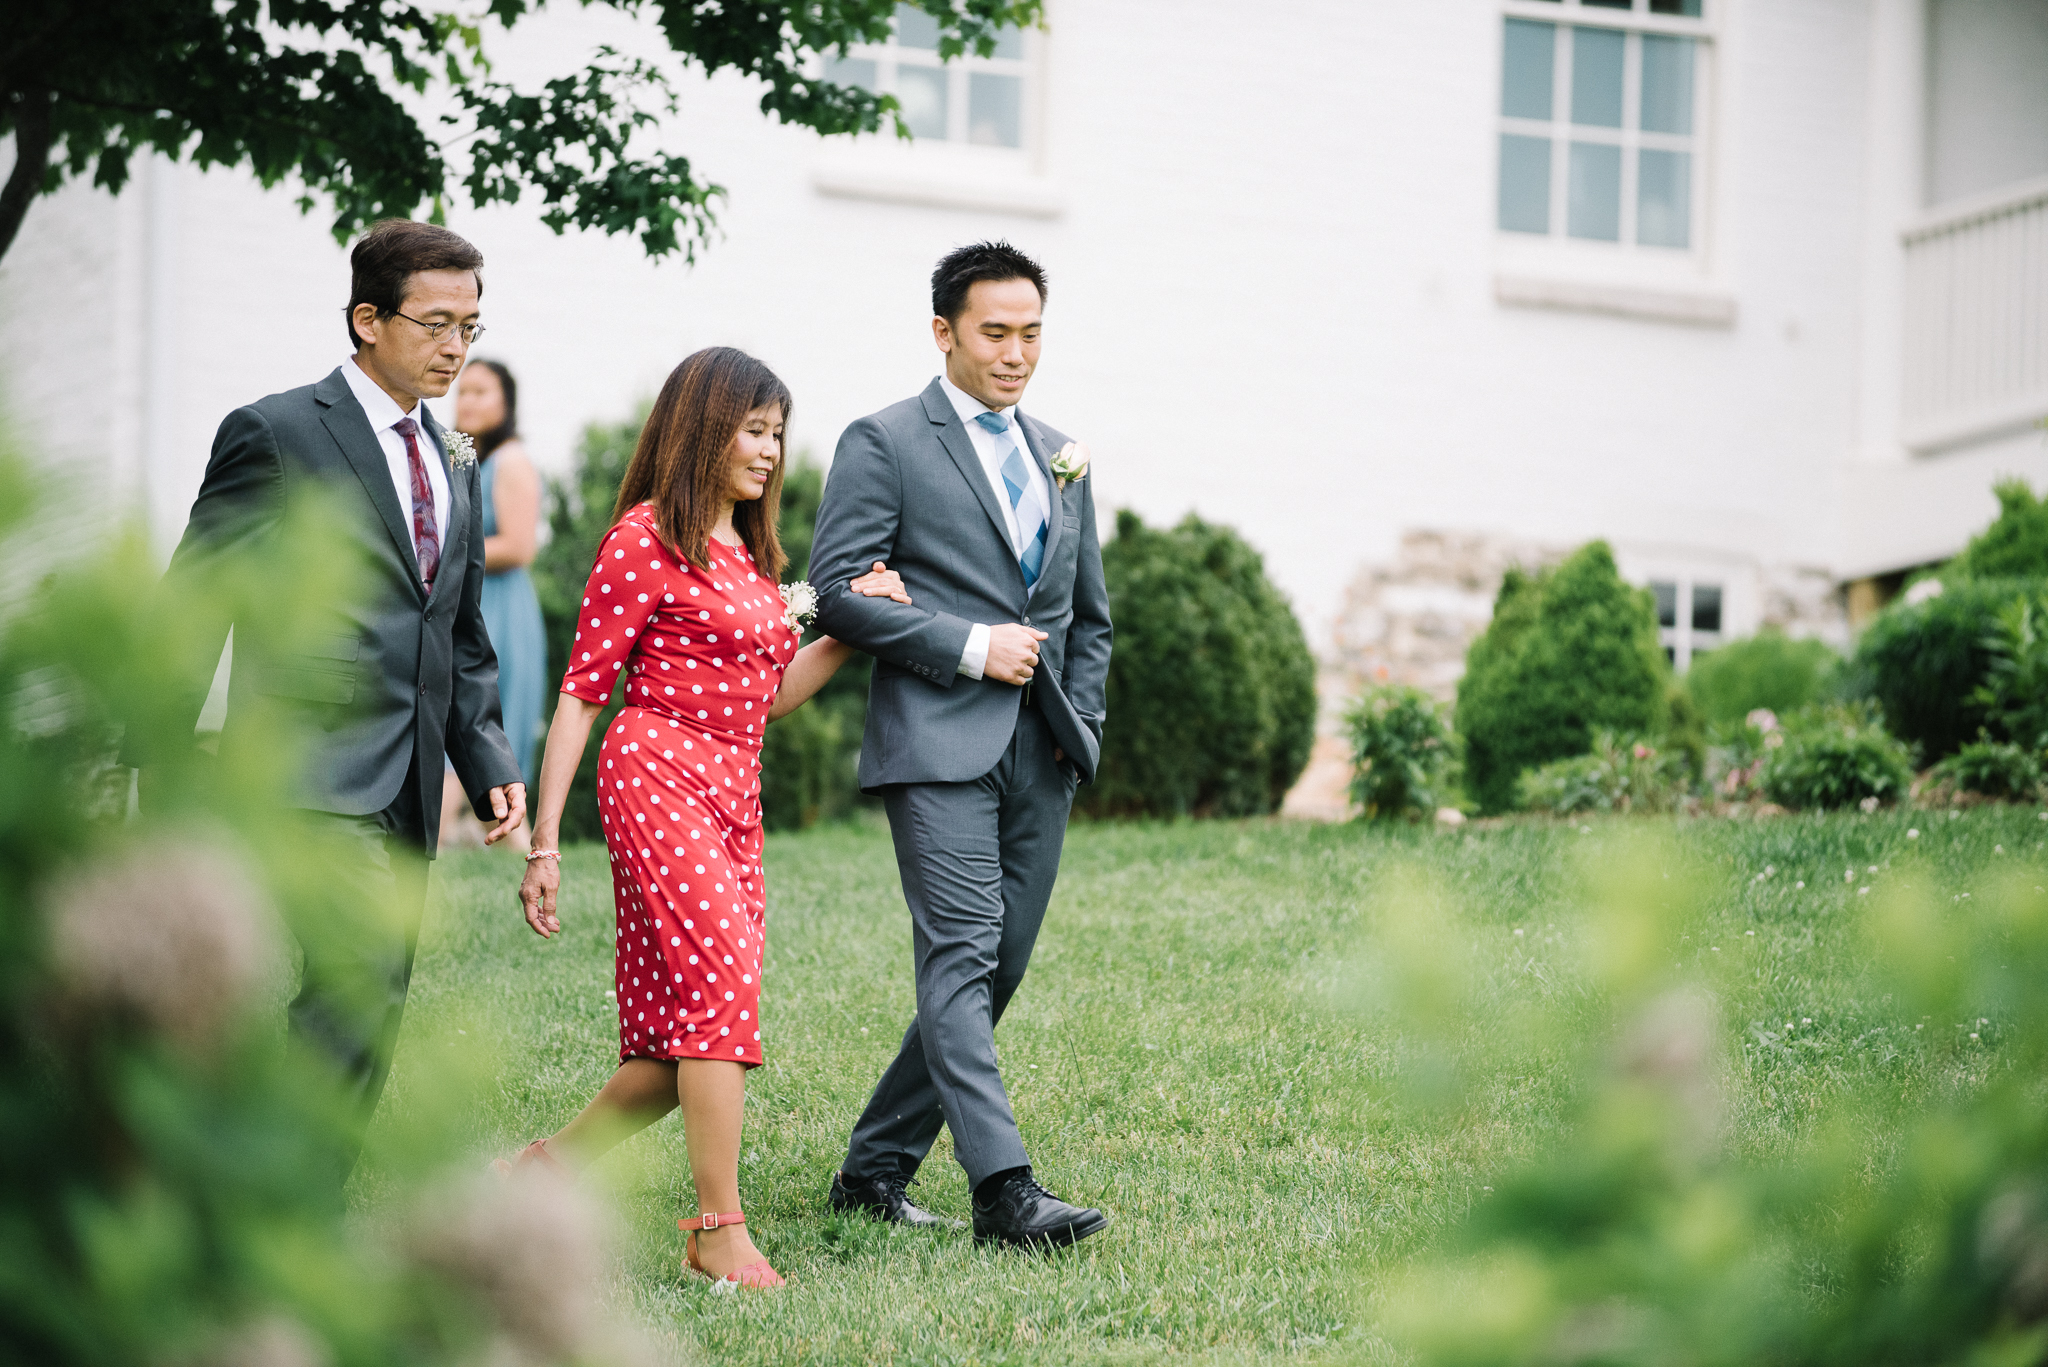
621,598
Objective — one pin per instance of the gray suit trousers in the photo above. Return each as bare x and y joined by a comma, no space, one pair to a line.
352,990
978,860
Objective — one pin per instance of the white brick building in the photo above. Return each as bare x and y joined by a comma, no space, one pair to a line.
1769,309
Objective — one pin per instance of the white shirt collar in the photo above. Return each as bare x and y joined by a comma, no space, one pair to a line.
967,406
377,405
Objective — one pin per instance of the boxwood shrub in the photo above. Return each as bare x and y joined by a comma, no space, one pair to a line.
1212,701
1569,652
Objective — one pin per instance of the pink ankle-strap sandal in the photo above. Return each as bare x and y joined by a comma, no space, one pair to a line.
759,1275
536,1152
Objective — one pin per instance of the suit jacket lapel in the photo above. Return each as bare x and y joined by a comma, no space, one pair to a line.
1035,443
452,541
939,409
350,427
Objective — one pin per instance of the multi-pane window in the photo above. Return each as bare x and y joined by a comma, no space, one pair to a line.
971,99
1599,121
1688,618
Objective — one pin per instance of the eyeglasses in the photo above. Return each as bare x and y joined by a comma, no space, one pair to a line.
470,331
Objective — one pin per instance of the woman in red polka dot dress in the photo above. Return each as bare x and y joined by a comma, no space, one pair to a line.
684,600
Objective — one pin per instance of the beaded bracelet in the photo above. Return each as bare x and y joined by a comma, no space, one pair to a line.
542,854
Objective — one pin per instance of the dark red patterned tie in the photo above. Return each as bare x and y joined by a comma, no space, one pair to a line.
426,536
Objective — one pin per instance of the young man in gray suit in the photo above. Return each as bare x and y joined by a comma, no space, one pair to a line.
984,715
403,672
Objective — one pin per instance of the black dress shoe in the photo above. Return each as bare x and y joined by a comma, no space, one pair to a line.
1022,1212
883,1198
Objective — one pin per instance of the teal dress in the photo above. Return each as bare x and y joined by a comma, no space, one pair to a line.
512,616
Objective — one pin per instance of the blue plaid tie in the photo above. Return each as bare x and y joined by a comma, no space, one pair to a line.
1017,479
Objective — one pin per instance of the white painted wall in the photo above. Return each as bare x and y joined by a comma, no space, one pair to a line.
1273,296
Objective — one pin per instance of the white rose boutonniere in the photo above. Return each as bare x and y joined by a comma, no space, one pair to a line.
461,449
799,604
1070,464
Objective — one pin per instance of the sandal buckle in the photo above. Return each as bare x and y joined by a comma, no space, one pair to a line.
710,1220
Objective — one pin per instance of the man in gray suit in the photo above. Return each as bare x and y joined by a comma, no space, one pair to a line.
984,715
401,673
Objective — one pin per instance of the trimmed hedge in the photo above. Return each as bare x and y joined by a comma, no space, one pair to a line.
1569,652
1212,701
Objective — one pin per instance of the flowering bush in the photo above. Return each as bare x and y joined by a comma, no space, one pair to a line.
1618,775
1401,752
1735,761
1837,757
171,1186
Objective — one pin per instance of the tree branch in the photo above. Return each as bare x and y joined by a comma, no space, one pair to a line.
31,160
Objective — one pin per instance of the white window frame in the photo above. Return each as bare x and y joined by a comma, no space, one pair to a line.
890,58
1682,638
1556,270
948,172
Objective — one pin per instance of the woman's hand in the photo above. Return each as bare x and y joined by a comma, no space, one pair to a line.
537,896
881,582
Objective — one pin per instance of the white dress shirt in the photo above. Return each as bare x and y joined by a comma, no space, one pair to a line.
994,448
382,412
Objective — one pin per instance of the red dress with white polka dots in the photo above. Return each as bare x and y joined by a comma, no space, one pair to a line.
679,782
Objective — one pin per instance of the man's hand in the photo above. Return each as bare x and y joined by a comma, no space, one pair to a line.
537,896
1012,653
508,804
881,582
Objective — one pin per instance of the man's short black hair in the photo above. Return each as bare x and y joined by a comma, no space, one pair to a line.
960,269
394,250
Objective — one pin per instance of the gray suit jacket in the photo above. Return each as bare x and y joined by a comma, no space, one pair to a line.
906,487
397,671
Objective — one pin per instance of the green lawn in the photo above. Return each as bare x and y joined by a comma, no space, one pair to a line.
1188,1053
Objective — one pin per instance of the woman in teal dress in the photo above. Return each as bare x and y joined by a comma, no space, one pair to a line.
487,408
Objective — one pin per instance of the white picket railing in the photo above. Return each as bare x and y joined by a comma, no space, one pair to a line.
1976,335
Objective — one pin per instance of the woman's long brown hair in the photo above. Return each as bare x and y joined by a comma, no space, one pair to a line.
680,463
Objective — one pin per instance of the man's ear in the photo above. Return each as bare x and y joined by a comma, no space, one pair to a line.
361,321
942,333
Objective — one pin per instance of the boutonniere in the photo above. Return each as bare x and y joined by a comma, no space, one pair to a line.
799,604
1070,464
461,449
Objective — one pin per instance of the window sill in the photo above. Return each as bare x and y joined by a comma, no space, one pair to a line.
1690,307
946,183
